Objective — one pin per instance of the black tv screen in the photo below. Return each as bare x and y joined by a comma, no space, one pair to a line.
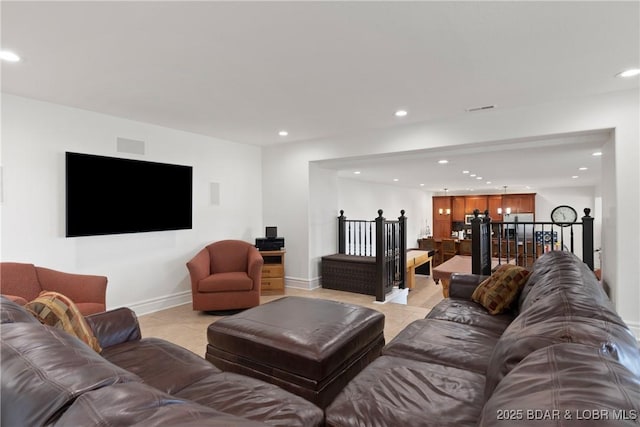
108,195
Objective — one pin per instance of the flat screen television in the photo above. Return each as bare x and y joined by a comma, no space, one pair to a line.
109,195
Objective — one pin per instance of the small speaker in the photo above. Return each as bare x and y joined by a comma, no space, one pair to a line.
271,232
132,146
214,189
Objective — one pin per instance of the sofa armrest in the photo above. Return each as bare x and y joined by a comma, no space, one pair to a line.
199,267
115,326
83,288
462,285
254,266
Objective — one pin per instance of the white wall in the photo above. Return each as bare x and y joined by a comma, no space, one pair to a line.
328,194
323,211
146,271
361,200
286,171
577,197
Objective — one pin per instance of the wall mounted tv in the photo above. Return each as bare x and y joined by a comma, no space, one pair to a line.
108,195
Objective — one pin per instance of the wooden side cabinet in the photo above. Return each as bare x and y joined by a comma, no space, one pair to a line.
272,273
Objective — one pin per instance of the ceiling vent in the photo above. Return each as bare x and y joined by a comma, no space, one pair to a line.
485,107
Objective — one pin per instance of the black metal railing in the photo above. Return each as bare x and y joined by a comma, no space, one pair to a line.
386,240
523,242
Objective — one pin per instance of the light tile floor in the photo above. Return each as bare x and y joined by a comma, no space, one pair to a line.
187,328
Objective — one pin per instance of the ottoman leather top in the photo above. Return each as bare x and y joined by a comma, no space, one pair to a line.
304,336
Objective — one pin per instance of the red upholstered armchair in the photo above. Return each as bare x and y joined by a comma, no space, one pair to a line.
226,275
23,282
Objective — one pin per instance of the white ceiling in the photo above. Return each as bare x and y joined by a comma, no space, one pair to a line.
521,166
242,71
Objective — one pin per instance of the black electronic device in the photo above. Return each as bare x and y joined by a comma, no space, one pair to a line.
271,232
269,243
109,195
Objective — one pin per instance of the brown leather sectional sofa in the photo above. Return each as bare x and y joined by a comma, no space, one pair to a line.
562,358
50,378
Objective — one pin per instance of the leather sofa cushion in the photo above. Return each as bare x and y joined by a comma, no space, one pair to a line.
45,369
394,391
470,313
18,300
179,372
432,340
517,342
173,367
139,404
224,282
247,397
12,312
115,326
462,285
569,304
571,379
560,270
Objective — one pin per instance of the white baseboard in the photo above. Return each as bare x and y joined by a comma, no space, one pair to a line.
160,303
398,296
299,283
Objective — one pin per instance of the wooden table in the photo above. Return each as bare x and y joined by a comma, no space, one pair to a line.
416,258
457,264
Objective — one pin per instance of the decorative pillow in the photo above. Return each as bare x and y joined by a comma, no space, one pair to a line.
499,290
57,310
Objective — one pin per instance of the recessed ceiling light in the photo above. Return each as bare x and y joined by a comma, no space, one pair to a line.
401,113
9,56
472,175
283,133
582,168
478,177
356,172
443,162
574,176
488,182
421,185
597,153
629,73
465,171
395,180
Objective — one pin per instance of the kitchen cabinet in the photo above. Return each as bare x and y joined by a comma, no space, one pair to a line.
458,208
441,216
447,209
519,203
495,203
472,203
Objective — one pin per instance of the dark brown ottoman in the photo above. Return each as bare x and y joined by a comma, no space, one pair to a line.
311,347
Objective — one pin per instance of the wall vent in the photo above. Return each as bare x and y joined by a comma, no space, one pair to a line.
132,146
485,107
